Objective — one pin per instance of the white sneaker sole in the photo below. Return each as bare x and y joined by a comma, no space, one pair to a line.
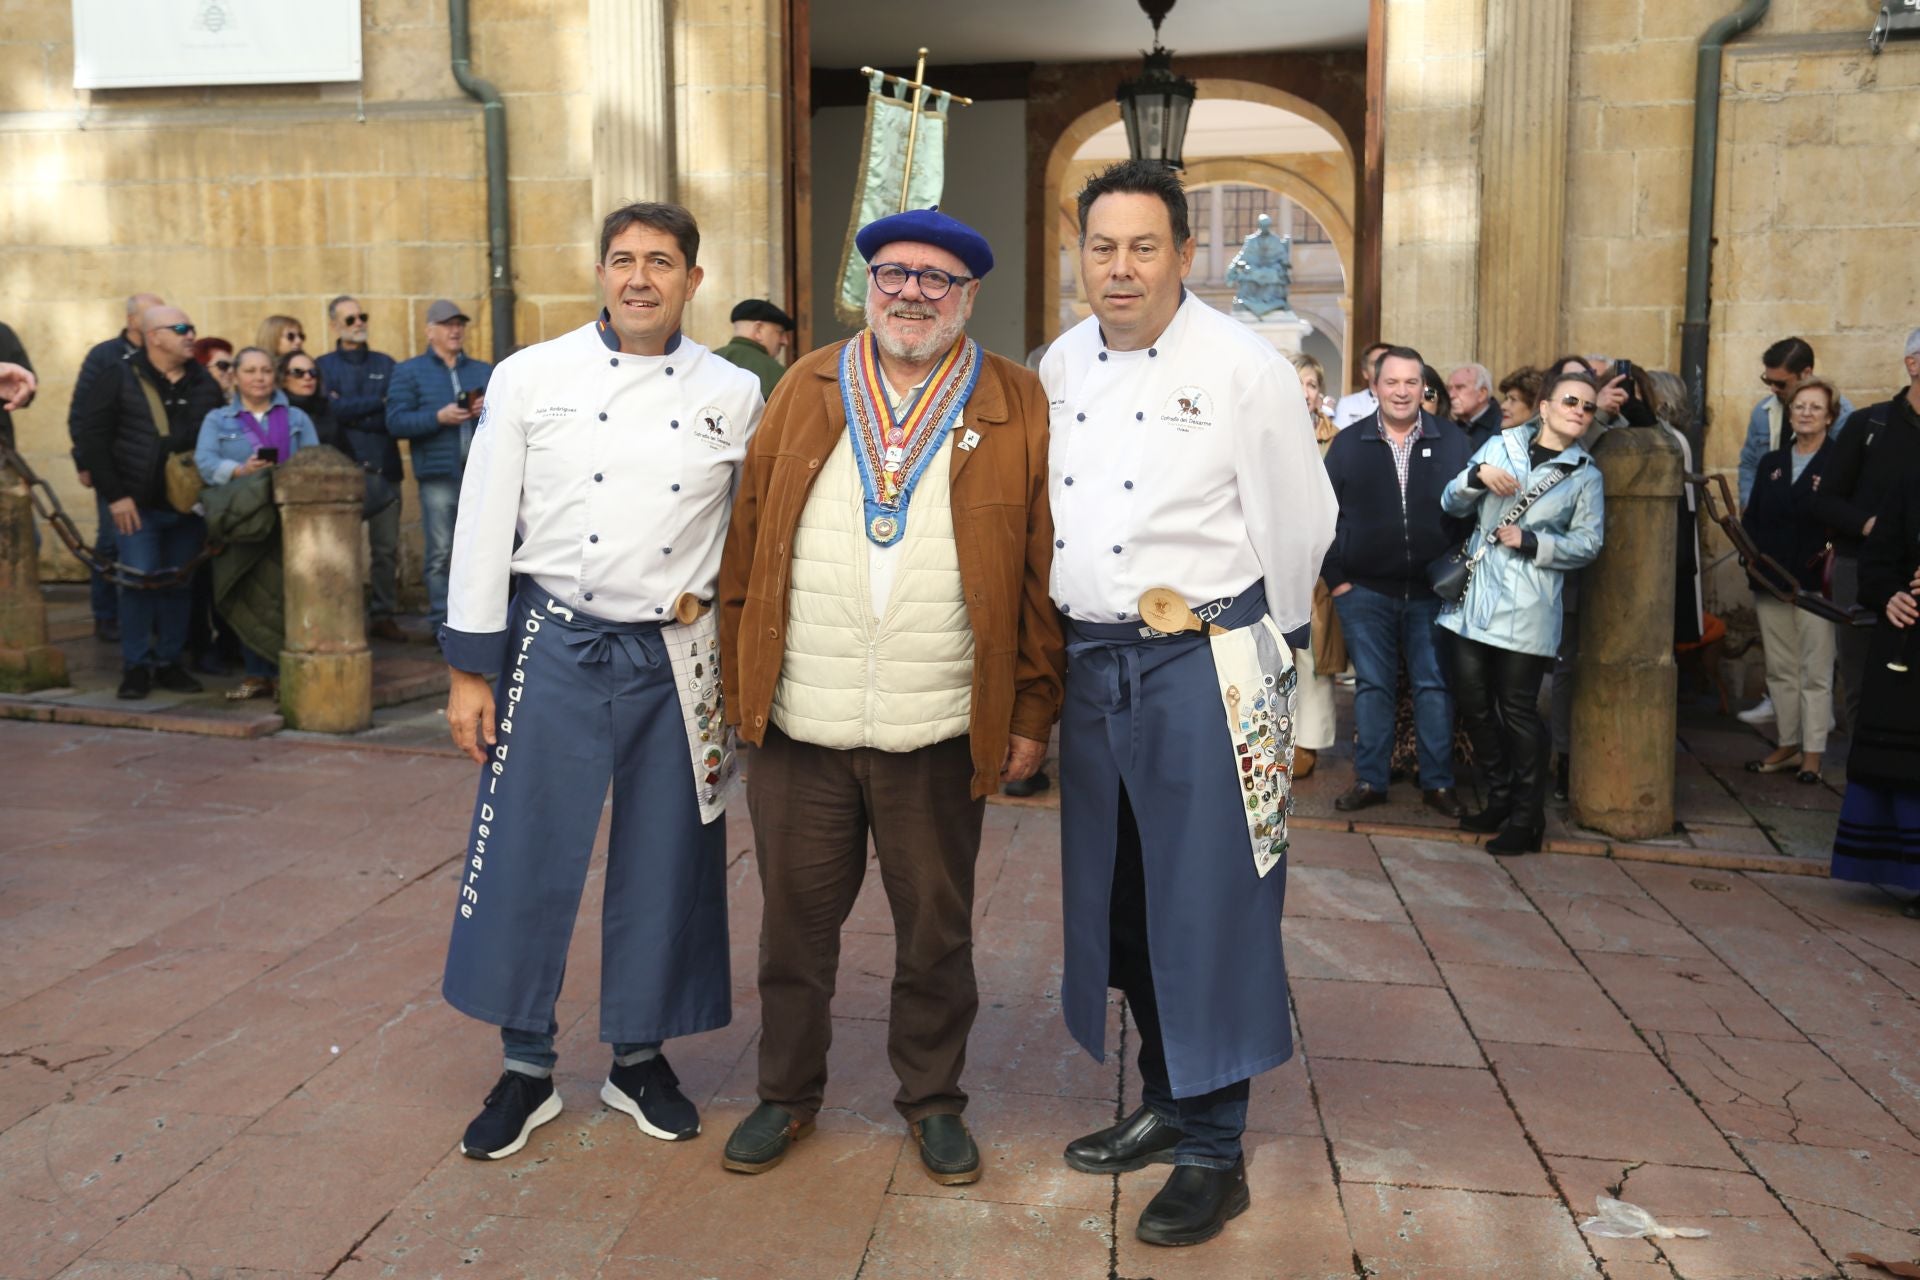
541,1114
619,1101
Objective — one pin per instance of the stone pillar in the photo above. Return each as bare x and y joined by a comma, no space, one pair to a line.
326,670
27,661
1623,688
1523,173
1430,212
729,118
632,109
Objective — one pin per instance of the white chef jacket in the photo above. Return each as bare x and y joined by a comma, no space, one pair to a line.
1189,465
1354,406
615,471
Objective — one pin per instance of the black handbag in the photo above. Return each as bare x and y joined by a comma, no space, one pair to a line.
1448,574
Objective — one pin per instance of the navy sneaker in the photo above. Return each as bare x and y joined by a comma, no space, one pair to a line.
650,1093
518,1105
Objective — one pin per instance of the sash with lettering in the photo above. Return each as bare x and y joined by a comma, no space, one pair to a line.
894,450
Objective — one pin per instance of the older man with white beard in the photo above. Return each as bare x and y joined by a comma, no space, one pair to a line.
890,647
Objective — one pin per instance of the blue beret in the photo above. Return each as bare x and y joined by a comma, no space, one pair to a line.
928,226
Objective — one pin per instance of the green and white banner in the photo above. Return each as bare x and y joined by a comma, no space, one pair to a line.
883,151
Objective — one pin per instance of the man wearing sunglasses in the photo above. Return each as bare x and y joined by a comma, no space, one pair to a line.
357,377
890,650
124,445
87,384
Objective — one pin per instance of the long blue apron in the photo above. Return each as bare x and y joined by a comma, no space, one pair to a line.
584,704
1144,712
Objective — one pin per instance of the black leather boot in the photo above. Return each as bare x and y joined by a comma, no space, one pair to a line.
1194,1205
1143,1138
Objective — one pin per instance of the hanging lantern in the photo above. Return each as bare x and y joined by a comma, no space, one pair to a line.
1155,106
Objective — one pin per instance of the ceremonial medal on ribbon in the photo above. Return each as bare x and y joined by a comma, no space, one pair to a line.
894,449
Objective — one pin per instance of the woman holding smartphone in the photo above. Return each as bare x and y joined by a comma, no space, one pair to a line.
1541,513
256,431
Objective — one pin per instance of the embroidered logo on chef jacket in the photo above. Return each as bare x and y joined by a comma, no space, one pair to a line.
1188,409
710,427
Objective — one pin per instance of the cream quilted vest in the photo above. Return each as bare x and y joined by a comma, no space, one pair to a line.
898,683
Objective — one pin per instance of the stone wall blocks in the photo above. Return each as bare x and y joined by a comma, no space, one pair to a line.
1597,23
1879,285
553,212
550,135
408,64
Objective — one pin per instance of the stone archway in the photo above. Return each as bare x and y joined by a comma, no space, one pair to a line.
1320,193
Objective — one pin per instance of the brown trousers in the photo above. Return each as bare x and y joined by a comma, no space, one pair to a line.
813,809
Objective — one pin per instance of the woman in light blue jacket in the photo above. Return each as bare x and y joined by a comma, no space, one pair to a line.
257,430
1507,625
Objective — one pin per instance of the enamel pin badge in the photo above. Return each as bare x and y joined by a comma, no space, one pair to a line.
967,441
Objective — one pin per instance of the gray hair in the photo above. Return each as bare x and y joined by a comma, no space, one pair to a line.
334,306
1482,379
1913,344
1671,403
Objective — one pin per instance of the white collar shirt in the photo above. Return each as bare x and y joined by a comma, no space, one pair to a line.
1190,465
1354,406
615,473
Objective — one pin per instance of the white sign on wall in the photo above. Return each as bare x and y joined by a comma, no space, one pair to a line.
132,44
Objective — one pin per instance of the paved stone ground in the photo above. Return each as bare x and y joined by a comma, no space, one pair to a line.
223,1054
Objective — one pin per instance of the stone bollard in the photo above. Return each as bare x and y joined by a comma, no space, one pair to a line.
1623,729
326,670
27,661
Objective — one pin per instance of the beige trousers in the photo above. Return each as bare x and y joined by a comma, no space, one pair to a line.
1312,704
1800,651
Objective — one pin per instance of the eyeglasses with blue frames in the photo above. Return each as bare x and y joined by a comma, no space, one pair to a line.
934,283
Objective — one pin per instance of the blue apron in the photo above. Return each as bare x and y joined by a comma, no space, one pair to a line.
1144,712
586,704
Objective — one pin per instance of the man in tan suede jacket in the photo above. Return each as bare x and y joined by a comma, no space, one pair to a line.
889,645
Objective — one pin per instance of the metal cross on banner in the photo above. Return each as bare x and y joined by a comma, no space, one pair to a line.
903,166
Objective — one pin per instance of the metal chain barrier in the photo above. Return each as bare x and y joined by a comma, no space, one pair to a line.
46,505
1720,510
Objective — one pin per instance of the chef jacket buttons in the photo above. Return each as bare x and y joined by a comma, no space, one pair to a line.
1116,549
593,537
676,488
675,424
1139,416
1069,479
603,417
597,477
589,595
669,371
1129,484
1103,355
1079,417
1153,351
666,551
1059,542
659,608
615,362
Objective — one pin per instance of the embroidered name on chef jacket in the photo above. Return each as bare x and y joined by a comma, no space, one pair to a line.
1188,409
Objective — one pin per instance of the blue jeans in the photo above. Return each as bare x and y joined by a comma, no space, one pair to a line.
153,623
1381,630
439,501
531,1052
102,594
255,665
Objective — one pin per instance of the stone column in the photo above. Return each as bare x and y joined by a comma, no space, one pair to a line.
326,670
1523,175
27,661
1430,213
729,117
632,109
1622,736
